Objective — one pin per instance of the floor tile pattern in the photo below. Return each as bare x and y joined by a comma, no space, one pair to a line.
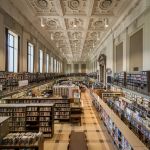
97,135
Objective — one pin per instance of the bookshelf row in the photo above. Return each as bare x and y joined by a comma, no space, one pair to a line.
123,137
134,81
61,106
11,80
22,141
137,117
29,117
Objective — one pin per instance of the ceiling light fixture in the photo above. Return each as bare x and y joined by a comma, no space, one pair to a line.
106,23
75,22
74,25
42,23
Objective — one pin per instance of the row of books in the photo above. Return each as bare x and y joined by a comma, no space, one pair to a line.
135,81
29,118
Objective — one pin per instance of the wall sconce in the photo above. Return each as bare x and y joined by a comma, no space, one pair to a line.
42,22
106,23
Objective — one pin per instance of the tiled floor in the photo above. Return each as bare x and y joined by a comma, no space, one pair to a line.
97,135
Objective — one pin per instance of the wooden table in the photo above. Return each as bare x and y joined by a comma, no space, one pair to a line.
77,141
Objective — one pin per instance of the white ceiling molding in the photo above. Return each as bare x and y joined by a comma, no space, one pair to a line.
81,24
129,16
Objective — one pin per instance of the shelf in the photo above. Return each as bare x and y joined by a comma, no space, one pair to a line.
30,121
126,132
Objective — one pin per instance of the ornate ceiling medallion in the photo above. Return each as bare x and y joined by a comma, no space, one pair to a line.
51,23
75,23
73,4
57,35
106,4
76,35
98,24
43,4
93,34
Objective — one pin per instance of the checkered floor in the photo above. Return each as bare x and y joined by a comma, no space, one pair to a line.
97,135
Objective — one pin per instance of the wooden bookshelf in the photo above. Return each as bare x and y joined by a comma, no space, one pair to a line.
32,118
46,118
61,107
18,119
20,141
115,125
62,111
4,129
139,82
28,117
111,94
120,79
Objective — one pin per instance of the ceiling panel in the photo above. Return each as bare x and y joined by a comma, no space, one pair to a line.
74,27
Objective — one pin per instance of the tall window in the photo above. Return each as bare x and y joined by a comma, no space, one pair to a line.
40,61
52,70
54,65
58,66
30,57
47,63
12,51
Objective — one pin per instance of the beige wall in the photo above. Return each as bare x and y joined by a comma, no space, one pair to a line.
136,51
83,68
27,33
76,67
119,57
138,18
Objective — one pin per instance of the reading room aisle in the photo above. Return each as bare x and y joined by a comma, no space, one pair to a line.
97,135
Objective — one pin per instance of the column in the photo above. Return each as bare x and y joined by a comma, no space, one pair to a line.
44,60
36,57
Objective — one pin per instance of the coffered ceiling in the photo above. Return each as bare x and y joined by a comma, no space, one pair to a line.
75,27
